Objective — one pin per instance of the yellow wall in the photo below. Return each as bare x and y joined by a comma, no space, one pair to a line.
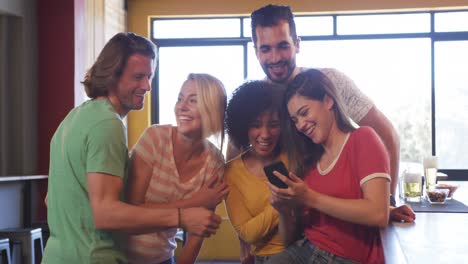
139,12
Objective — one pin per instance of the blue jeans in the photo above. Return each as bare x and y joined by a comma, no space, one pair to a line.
169,261
280,258
303,252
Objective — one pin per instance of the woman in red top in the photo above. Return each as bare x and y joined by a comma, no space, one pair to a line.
340,196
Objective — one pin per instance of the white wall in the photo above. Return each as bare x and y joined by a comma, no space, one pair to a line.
103,19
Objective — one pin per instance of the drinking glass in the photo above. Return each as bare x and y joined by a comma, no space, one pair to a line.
412,186
430,172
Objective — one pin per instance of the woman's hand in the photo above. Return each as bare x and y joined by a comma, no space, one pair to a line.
402,214
288,204
211,193
296,193
246,256
283,206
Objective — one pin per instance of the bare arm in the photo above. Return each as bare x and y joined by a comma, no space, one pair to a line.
246,256
288,227
191,249
112,214
384,128
371,210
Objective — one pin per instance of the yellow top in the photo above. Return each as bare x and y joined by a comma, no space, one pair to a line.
249,210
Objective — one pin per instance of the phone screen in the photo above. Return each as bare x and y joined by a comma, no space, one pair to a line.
279,167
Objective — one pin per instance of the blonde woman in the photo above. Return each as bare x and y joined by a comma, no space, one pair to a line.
177,167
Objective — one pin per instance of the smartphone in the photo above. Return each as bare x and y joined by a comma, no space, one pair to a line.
279,167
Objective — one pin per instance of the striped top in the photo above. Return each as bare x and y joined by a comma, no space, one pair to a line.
155,147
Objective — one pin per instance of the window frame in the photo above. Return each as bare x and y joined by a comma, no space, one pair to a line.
453,174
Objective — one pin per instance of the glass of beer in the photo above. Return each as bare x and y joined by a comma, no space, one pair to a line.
430,172
412,186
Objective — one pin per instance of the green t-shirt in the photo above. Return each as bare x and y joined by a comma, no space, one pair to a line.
91,138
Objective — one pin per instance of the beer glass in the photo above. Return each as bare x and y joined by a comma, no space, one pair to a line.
412,186
430,172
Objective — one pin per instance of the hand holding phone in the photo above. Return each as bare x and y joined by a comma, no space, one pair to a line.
279,167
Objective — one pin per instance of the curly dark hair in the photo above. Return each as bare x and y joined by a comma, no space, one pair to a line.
249,101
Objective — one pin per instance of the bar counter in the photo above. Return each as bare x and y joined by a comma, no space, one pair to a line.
435,237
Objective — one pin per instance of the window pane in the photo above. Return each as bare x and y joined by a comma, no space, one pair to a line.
254,71
196,28
175,63
451,21
305,26
247,27
383,24
314,26
395,74
451,95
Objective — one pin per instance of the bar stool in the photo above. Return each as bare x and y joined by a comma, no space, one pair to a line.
5,251
30,240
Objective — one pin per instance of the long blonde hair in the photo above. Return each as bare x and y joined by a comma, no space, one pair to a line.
212,100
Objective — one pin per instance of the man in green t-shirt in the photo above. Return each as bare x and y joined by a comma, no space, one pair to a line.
88,164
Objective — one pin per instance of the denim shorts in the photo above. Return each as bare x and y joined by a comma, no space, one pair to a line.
303,252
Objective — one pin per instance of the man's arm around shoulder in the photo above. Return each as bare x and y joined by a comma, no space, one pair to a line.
112,214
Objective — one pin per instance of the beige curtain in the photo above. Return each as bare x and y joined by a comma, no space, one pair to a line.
17,96
7,124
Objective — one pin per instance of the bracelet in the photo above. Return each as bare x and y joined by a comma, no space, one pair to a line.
178,218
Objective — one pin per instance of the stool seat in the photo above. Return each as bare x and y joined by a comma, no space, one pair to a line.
5,250
30,240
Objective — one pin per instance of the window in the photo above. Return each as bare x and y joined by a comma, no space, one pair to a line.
394,73
305,26
451,109
410,64
383,24
451,21
196,28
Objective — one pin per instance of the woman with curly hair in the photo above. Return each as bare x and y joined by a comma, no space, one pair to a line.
253,125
